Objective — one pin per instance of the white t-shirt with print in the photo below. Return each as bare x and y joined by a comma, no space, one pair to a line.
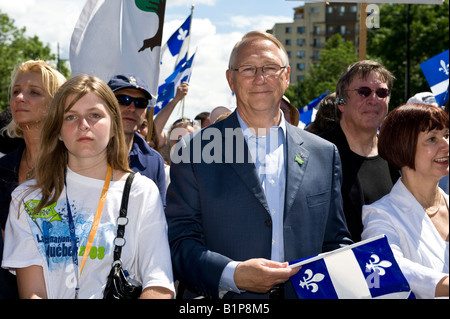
44,239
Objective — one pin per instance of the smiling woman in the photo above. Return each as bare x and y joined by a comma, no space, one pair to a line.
414,215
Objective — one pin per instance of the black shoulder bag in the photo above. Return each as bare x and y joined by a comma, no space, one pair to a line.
118,286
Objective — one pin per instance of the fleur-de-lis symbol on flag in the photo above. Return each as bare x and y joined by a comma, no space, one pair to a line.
375,264
182,34
444,67
310,280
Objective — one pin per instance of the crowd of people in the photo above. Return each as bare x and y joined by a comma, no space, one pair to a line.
251,192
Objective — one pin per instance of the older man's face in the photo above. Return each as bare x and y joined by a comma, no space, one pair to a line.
260,92
366,113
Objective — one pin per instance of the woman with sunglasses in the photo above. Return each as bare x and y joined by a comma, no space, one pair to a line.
60,234
414,215
362,98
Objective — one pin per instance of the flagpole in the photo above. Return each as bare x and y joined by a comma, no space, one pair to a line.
187,52
322,255
362,32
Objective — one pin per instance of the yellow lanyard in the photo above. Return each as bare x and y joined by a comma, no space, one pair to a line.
98,214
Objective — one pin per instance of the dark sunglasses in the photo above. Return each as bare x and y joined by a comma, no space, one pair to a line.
139,102
365,91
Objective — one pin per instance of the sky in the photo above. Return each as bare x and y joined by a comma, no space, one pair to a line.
217,26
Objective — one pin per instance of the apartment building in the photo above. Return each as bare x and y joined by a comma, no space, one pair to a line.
313,25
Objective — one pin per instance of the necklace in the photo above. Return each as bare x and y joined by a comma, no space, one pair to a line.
29,174
438,207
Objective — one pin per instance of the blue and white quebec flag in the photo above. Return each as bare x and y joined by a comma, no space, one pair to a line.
174,50
436,72
365,270
167,90
308,112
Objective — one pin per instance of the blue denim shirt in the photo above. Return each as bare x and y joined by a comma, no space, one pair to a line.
148,162
268,154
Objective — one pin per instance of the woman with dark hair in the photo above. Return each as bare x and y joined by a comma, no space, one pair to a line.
414,215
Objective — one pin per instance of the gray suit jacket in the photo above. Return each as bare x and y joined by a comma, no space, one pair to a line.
217,212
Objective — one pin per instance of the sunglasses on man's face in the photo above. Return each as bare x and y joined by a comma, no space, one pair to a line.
365,91
139,102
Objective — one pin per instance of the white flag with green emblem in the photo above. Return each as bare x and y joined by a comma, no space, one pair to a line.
119,37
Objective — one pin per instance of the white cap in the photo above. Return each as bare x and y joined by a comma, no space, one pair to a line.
423,98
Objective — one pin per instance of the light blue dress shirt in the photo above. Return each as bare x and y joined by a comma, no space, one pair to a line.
268,155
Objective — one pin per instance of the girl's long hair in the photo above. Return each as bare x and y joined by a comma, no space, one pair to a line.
52,158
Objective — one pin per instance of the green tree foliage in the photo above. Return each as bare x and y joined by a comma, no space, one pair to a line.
429,36
333,60
16,47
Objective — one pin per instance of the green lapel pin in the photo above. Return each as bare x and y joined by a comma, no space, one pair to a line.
298,160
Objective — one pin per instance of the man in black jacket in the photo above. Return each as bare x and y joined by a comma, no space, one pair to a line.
362,99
